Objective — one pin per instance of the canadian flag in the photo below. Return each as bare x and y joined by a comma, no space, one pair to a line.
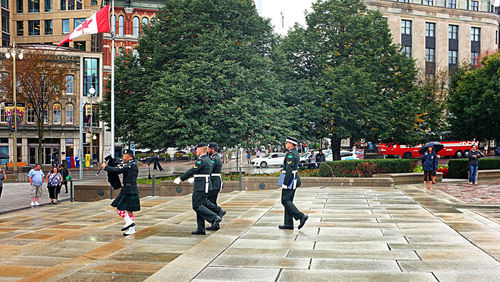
98,23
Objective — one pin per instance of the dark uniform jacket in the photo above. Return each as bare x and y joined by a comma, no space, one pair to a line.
130,171
203,166
290,164
216,180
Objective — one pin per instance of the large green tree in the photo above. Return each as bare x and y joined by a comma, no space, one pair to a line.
206,72
355,82
474,103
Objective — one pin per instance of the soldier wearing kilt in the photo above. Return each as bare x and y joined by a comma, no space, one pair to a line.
127,201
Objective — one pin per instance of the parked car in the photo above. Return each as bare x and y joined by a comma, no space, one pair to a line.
348,155
497,151
273,159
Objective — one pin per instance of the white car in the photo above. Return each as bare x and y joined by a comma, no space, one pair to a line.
348,155
273,159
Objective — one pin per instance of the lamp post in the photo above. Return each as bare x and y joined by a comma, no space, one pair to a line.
13,53
92,92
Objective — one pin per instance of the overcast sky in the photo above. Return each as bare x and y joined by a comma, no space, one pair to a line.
292,10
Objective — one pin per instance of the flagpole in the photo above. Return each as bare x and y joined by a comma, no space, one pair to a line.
113,31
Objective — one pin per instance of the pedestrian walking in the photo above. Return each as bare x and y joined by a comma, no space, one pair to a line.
216,180
429,165
65,176
249,155
474,155
3,177
201,178
35,176
312,161
320,157
53,179
127,202
290,184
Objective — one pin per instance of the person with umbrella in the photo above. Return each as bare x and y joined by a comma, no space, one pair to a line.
429,163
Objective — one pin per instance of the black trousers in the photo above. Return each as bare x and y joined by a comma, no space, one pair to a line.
52,191
199,201
212,196
65,183
291,211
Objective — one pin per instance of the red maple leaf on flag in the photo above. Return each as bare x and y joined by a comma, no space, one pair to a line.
85,24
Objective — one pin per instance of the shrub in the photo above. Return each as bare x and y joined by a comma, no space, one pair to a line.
444,170
366,168
460,168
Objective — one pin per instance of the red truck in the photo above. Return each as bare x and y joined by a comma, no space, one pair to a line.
456,149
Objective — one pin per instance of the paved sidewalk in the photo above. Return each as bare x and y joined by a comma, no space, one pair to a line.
486,192
354,234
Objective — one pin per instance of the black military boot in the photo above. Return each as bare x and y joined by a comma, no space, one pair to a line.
286,227
198,232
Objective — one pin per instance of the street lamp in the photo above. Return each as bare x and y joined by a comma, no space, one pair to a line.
91,92
12,53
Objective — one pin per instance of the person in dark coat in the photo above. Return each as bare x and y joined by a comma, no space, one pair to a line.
216,179
290,183
320,157
64,172
474,155
201,172
127,201
157,165
429,165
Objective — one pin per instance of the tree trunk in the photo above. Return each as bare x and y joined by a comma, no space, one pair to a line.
40,138
336,147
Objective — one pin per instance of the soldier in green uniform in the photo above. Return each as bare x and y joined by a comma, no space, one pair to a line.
201,173
128,200
216,179
290,183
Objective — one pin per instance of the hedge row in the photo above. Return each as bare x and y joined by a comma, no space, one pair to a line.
366,168
460,168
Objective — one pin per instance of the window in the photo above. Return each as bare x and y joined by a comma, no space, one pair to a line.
3,75
405,27
90,76
453,32
430,29
452,57
404,1
120,26
474,34
34,27
30,113
474,5
2,113
20,28
56,117
33,6
70,84
429,55
48,27
77,22
474,58
145,23
452,4
69,114
62,4
93,2
65,26
5,4
71,4
135,53
429,2
19,6
78,4
121,51
135,27
48,5
45,115
407,51
5,24
80,45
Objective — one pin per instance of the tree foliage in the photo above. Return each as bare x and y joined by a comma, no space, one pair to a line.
474,103
205,71
41,80
360,84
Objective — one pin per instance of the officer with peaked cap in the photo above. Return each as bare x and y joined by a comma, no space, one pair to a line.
216,179
290,183
201,173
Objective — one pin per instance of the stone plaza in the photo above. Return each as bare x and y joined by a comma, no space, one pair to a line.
401,233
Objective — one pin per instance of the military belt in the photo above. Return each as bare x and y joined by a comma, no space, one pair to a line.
220,176
207,177
294,172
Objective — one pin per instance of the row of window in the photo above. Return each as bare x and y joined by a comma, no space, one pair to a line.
474,5
430,30
135,25
56,114
34,27
34,5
